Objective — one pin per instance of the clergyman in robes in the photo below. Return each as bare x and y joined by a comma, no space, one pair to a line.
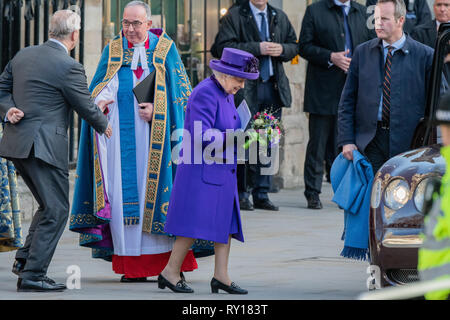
124,183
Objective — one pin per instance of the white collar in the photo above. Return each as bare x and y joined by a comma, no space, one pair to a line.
139,54
345,4
397,44
439,23
255,10
60,43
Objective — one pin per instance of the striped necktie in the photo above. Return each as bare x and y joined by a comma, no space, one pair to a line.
386,110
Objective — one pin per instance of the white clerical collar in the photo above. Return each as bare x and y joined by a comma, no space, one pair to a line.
255,10
139,54
60,43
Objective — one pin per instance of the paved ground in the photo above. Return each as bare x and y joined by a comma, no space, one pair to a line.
291,254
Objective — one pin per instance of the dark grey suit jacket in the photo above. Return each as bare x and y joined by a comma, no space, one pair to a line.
45,83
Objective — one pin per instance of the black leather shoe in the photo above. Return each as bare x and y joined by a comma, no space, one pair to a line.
180,287
314,202
265,204
245,204
18,266
231,289
43,285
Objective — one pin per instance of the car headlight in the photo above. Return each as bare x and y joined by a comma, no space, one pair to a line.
396,194
375,198
419,194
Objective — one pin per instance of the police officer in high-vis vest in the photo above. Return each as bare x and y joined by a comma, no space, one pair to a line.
434,255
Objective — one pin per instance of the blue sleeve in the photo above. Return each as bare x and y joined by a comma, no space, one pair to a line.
347,103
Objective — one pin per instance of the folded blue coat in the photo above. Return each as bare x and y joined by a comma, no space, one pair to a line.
352,184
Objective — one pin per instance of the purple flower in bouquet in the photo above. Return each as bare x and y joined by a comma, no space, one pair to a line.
267,130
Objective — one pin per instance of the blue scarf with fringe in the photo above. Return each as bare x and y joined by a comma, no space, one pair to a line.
352,185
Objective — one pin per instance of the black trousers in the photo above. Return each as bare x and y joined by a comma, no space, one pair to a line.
377,151
50,187
321,145
250,179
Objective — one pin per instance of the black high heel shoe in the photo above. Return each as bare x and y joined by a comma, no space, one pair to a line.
180,287
232,289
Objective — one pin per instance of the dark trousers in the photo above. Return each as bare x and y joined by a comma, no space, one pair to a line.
321,128
50,187
249,175
377,151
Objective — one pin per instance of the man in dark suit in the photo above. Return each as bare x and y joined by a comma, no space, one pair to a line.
427,33
385,93
417,13
330,32
264,31
38,89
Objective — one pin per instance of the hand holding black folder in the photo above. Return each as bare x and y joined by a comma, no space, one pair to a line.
145,90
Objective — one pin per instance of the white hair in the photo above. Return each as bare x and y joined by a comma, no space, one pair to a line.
219,74
148,11
63,23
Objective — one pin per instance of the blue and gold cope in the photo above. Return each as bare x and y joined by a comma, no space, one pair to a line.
90,210
10,220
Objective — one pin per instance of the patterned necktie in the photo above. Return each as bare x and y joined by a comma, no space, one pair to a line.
386,110
264,62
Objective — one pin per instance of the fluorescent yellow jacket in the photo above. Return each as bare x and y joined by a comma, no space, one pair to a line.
434,256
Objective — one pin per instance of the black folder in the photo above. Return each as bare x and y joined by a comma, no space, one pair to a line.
145,90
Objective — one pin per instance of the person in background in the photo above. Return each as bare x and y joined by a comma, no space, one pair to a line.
427,33
331,30
265,32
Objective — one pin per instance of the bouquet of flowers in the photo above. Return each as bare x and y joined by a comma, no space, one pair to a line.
267,130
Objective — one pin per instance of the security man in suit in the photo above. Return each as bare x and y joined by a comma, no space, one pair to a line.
331,30
381,104
38,89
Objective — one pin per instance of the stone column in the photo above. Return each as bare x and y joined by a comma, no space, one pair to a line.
292,152
92,36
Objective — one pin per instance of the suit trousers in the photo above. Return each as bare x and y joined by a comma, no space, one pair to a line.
377,151
249,176
321,128
50,187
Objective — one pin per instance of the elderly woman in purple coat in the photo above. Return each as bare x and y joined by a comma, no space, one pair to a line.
204,203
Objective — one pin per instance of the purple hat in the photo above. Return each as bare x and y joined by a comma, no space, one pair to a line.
237,63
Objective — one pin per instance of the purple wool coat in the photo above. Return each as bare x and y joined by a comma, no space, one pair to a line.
204,196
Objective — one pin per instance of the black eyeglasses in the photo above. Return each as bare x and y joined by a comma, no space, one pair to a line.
136,24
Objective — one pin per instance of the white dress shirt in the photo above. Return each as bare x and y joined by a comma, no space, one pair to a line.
258,20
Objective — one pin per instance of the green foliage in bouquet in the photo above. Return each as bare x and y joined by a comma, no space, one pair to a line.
267,130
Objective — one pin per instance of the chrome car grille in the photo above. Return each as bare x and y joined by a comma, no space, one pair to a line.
403,276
